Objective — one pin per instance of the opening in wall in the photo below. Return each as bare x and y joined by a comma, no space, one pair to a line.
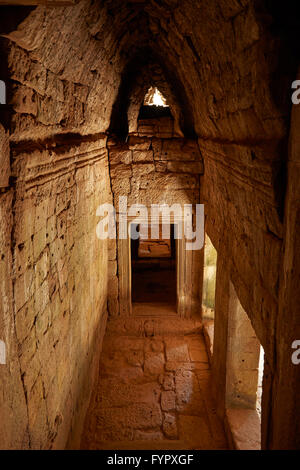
154,97
209,280
155,106
244,371
153,264
260,379
209,292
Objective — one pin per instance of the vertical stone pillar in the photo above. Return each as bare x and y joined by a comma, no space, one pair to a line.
220,332
189,280
124,260
242,357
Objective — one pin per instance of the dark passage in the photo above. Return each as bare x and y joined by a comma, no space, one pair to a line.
154,268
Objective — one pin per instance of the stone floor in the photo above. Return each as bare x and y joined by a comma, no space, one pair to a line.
154,388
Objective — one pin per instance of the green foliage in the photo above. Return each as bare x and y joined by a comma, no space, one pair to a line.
209,279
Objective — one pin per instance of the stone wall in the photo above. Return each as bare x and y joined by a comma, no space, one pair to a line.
55,289
54,174
244,224
242,214
162,127
231,79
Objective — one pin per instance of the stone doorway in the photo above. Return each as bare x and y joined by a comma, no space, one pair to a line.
153,268
188,272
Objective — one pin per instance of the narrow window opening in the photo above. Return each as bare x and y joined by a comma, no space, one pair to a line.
260,380
209,292
154,106
154,97
244,373
209,280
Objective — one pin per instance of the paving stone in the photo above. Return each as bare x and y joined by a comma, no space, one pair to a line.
159,402
195,431
136,416
113,392
168,401
154,345
176,350
170,426
148,436
168,382
198,355
175,366
154,363
135,357
188,396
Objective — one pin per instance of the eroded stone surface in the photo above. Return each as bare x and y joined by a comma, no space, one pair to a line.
66,69
146,402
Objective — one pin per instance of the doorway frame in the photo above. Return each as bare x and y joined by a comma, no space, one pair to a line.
188,274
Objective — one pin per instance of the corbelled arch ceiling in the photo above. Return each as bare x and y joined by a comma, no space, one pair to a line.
220,53
223,64
223,55
145,70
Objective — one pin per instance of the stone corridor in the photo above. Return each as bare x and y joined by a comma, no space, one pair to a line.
153,390
129,110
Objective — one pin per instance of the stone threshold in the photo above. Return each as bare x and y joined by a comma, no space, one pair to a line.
155,309
152,326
